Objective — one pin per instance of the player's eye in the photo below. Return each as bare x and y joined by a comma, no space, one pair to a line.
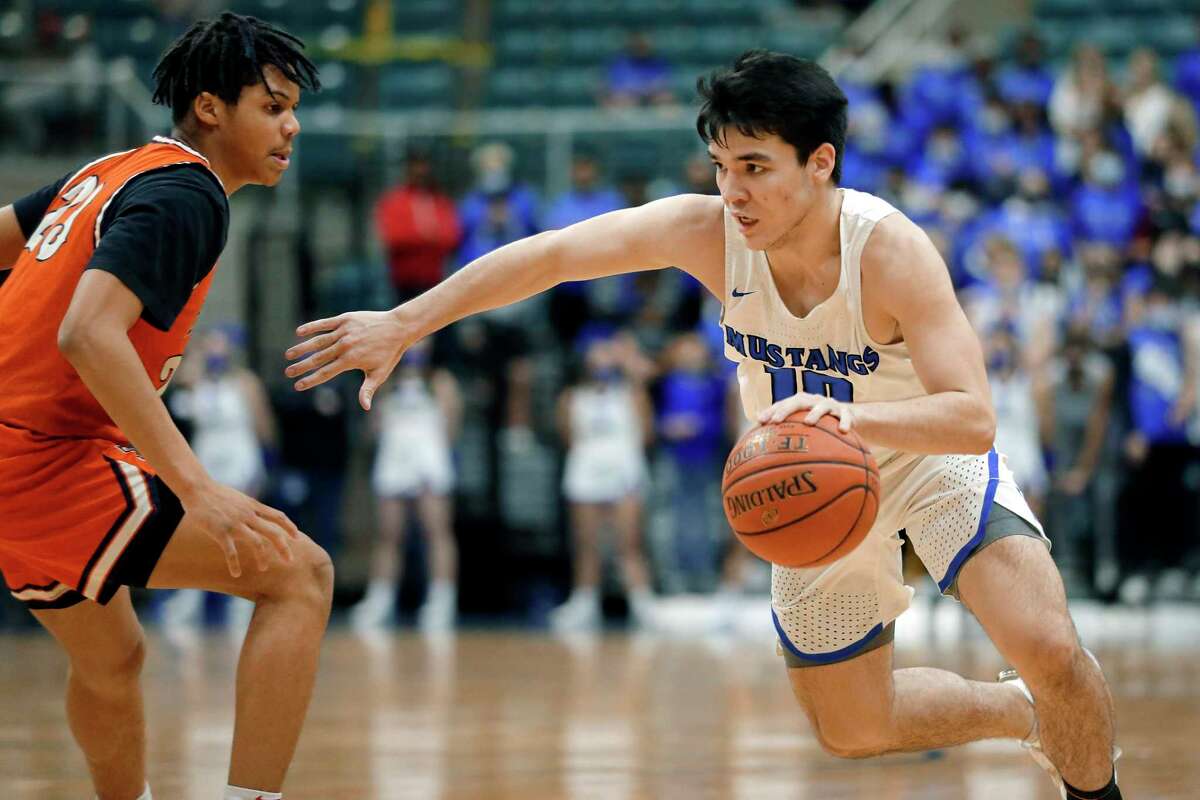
753,168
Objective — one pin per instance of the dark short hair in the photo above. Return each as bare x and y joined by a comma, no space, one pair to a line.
224,55
772,93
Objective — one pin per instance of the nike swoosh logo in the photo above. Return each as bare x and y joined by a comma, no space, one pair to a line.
736,293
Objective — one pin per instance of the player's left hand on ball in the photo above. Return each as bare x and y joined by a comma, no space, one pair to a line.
817,406
371,341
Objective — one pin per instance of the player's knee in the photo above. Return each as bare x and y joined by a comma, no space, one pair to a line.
844,735
1055,659
308,577
848,740
113,668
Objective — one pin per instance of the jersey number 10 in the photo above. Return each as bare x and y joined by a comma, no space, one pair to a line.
784,384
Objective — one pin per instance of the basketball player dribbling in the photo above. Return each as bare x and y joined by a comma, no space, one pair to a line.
834,303
110,268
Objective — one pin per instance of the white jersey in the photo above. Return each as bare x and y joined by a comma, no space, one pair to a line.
828,351
605,461
414,445
827,613
224,438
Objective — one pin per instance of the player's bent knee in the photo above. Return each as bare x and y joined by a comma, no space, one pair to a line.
847,739
1054,657
309,576
111,668
843,733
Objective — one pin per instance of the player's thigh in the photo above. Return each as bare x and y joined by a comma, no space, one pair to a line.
102,641
1014,589
193,560
849,703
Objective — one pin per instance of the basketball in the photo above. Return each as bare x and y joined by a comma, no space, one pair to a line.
800,495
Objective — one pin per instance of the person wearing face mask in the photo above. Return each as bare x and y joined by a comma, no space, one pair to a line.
232,426
691,419
1014,394
605,421
1106,207
1161,400
1075,417
414,466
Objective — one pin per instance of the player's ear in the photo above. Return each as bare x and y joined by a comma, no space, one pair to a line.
822,161
204,106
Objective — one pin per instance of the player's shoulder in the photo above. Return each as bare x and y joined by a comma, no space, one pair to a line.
180,182
694,213
899,250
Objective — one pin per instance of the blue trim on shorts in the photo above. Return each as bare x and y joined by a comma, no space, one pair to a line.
988,496
825,658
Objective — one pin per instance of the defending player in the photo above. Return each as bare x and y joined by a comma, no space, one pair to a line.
836,303
110,267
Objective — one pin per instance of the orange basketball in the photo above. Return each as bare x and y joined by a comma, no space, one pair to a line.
800,495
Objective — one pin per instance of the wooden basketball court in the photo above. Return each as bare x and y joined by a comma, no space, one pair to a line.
681,714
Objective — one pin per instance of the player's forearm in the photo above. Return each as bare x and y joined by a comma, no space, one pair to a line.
945,422
512,273
112,371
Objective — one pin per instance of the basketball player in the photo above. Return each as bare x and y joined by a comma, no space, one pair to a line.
110,267
834,303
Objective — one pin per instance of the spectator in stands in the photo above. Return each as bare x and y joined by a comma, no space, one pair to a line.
1107,205
1187,71
1026,79
499,209
1007,299
691,427
419,228
1149,104
588,196
638,77
1161,400
698,175
1075,417
1015,392
1079,98
605,420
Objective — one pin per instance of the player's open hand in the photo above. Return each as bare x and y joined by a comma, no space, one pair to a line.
371,341
817,406
236,521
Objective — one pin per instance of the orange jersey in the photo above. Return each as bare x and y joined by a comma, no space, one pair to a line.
40,392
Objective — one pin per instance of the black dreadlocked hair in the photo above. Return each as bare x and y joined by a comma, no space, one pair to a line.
222,56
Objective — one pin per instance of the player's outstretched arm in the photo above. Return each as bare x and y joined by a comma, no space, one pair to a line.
94,338
684,231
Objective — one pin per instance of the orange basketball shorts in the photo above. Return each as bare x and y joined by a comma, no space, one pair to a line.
79,518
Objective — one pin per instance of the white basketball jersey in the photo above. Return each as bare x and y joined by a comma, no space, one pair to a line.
828,351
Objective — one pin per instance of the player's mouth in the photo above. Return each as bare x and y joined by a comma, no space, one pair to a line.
746,224
282,158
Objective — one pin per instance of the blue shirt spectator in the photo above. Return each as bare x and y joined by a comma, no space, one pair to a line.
1106,207
637,76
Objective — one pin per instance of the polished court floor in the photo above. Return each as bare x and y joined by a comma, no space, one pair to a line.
686,713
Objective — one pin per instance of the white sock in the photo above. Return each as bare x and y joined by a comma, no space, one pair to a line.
443,590
641,596
587,594
380,589
238,793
